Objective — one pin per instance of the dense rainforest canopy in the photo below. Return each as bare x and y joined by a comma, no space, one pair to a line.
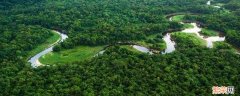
191,70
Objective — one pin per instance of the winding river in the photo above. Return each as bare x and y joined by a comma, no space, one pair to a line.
195,30
35,59
170,45
210,40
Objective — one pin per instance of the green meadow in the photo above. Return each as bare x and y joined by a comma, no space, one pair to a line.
187,40
71,55
178,18
208,32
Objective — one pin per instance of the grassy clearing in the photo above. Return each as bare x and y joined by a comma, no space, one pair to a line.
208,32
187,26
45,45
187,40
71,55
178,18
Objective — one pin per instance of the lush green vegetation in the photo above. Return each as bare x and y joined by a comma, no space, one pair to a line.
178,18
45,45
130,48
181,18
226,21
187,40
122,72
25,28
98,24
72,55
154,42
188,26
208,32
224,46
17,41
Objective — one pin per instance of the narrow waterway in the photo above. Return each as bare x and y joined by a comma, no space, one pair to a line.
195,30
142,49
35,59
211,40
99,53
170,45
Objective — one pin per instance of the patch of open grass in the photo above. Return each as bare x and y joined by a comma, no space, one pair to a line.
70,55
187,40
178,18
208,32
44,45
188,26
